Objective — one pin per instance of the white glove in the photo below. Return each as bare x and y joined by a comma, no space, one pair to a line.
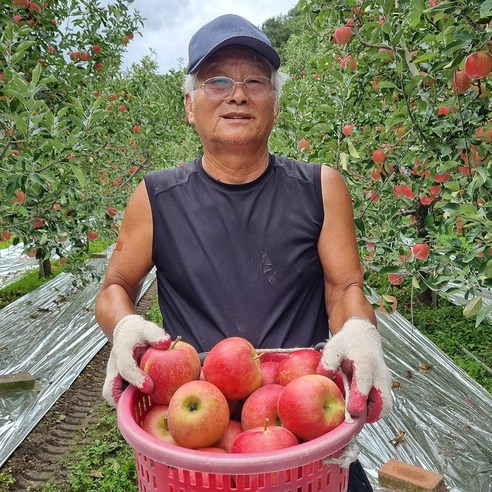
356,350
132,336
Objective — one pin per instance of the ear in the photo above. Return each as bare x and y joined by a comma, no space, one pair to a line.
189,108
275,115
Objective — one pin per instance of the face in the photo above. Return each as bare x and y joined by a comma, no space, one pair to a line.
237,120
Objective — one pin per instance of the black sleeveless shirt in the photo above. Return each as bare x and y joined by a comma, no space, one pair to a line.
240,260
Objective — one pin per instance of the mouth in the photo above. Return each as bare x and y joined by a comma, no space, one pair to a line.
237,116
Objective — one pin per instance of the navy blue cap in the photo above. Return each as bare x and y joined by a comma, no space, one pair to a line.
224,31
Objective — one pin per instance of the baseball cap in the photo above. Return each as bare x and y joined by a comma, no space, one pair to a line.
226,30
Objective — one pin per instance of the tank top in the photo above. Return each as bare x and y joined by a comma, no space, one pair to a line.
239,260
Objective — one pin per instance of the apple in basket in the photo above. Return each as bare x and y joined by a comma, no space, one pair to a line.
170,369
261,405
264,438
198,414
310,406
234,428
297,363
233,365
269,370
155,423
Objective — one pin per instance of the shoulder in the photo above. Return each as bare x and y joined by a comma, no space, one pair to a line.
303,171
164,179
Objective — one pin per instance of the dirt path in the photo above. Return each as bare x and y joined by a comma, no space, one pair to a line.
39,458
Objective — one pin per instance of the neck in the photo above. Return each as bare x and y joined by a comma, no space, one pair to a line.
235,169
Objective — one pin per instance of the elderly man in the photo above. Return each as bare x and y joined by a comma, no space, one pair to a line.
245,243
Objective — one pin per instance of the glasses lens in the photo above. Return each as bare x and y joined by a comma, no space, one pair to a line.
218,87
258,87
223,87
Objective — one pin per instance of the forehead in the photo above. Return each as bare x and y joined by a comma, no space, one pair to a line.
232,56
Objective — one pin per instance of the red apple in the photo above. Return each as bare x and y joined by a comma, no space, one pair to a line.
112,211
92,235
96,49
347,130
198,415
169,369
5,235
444,110
234,366
395,278
461,82
484,133
478,65
303,144
155,423
349,63
260,406
379,156
297,363
234,428
421,251
269,370
264,438
342,35
310,406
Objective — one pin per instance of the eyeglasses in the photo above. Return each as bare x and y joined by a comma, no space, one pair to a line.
223,87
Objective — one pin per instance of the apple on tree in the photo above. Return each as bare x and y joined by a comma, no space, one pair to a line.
478,65
198,415
169,369
310,406
234,366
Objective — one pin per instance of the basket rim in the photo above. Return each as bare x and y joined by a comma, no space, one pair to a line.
244,463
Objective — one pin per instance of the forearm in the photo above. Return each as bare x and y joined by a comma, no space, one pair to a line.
112,304
350,303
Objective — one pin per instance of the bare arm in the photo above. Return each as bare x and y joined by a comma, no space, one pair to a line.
337,247
129,265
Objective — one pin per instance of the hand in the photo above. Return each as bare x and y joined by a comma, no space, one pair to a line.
356,350
131,338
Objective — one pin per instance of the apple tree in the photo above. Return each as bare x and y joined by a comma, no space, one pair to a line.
396,98
53,58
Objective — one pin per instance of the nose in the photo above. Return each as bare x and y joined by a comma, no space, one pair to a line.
238,93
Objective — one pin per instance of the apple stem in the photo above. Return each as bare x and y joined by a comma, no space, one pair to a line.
178,339
265,428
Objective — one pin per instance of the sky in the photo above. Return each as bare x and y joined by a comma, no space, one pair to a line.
169,25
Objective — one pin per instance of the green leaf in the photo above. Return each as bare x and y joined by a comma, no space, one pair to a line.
352,150
473,307
78,174
486,9
389,269
483,313
344,160
36,74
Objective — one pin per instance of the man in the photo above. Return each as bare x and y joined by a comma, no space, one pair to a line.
244,243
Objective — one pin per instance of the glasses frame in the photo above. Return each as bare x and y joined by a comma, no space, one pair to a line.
233,87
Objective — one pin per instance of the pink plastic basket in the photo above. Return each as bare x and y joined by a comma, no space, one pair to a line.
163,467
